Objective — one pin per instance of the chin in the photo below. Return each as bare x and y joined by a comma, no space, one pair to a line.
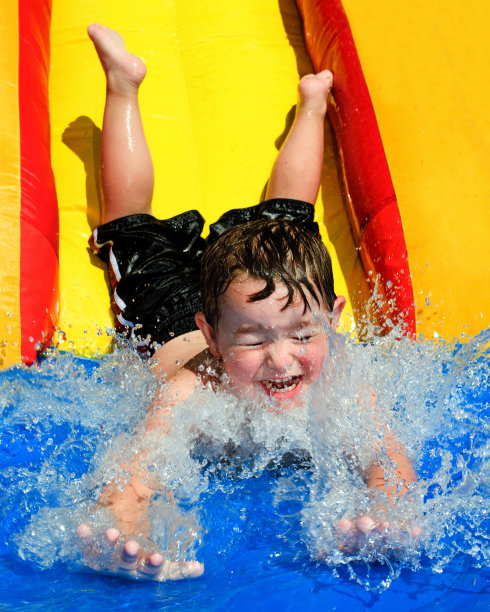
284,405
274,402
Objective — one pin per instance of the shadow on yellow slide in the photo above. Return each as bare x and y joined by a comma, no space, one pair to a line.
217,103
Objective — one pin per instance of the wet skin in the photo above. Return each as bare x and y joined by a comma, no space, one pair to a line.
270,352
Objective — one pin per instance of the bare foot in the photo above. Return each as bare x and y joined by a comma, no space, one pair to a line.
124,71
313,90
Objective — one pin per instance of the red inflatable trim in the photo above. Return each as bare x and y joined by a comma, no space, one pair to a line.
373,208
39,224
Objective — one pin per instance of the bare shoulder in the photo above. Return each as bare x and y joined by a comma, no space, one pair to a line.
200,371
176,389
171,392
169,359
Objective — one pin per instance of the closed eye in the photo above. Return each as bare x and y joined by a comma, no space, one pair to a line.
306,333
244,341
304,337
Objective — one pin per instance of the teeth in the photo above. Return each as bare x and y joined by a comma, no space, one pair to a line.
283,385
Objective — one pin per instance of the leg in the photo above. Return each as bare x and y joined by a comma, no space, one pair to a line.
297,171
126,166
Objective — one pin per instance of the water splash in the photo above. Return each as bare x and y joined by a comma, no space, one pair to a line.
435,398
242,474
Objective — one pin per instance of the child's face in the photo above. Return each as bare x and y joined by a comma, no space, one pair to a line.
268,352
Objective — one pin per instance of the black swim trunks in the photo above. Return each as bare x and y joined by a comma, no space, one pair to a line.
154,265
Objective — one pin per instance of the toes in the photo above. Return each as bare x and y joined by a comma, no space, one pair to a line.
325,75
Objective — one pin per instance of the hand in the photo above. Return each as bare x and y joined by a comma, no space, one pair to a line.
110,555
353,535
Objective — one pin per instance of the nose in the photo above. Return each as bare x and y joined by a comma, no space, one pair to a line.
279,357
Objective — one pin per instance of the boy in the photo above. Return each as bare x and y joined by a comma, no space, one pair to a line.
266,285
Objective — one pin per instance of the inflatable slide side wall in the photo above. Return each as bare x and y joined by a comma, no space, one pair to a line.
194,95
370,196
29,211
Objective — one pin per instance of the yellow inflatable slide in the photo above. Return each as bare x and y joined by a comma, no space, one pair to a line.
406,191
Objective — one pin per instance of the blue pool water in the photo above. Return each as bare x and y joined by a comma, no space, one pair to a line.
260,526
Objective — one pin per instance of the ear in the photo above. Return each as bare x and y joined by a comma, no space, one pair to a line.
337,309
208,333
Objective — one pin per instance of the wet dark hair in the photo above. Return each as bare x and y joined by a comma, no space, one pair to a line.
273,251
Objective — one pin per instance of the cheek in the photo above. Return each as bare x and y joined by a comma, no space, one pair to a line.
313,360
241,365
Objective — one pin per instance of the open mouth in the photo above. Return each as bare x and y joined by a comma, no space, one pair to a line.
284,388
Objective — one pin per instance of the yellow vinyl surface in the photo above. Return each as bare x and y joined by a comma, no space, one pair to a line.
426,66
10,186
216,101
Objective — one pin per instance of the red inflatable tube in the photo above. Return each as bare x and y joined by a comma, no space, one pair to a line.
39,228
371,200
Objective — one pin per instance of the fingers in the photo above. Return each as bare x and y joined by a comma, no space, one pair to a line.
130,556
178,570
353,535
152,565
87,542
344,526
365,525
83,531
112,536
110,555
